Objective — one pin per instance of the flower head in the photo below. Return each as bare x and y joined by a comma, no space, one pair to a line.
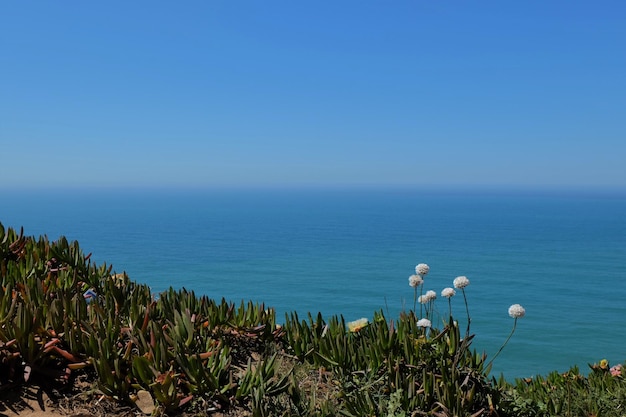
616,370
422,269
516,311
424,323
416,280
448,292
356,325
604,364
460,282
428,297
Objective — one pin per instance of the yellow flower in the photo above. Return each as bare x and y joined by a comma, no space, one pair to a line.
604,364
356,325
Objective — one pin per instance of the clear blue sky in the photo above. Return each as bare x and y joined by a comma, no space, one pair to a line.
421,92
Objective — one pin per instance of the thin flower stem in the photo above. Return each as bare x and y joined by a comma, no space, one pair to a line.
503,345
414,299
468,314
421,305
433,310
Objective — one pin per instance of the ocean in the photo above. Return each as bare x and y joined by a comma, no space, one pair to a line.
350,251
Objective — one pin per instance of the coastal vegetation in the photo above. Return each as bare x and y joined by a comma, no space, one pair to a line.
79,329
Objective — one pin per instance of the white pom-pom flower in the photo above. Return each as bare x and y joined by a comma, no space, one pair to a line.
424,323
448,292
428,297
460,282
422,269
516,311
416,280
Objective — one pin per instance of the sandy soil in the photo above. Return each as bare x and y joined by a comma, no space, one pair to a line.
33,401
28,402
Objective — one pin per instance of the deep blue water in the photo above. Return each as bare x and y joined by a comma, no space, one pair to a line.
350,251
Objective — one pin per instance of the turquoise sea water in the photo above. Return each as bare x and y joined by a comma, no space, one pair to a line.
559,254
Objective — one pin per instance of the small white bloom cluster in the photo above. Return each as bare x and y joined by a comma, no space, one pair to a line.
460,282
424,323
422,269
429,296
448,292
516,311
416,280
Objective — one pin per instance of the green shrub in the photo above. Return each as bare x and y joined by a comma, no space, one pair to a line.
61,314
